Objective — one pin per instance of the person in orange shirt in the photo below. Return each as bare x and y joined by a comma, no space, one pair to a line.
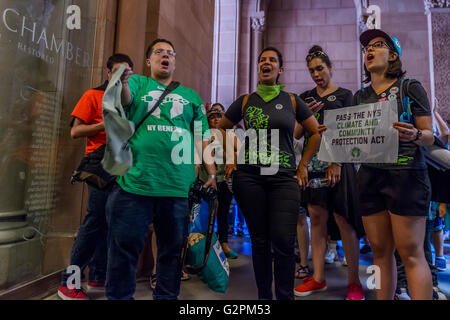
90,244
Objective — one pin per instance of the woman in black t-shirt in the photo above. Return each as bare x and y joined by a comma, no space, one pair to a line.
266,183
339,199
394,198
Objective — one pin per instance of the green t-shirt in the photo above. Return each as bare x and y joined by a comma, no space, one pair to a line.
163,147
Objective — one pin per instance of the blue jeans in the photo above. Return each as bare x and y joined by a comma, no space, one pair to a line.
90,244
129,216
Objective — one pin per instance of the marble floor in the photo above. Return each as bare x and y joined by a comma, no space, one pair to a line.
242,286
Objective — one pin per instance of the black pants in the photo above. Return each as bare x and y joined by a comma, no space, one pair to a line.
224,196
270,207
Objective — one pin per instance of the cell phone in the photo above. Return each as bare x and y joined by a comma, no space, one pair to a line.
308,100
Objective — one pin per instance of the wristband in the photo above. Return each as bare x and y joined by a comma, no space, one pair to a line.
418,135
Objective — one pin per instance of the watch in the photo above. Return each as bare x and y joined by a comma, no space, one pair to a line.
418,135
212,176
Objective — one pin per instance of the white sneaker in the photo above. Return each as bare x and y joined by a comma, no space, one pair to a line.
330,256
401,294
439,294
447,236
344,262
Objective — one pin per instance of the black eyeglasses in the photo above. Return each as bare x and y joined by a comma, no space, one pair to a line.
317,54
375,45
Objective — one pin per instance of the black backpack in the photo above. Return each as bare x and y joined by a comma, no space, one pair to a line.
440,178
90,170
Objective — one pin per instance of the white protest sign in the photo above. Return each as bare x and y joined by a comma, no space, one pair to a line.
361,134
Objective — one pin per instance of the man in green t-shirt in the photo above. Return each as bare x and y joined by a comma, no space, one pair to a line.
156,188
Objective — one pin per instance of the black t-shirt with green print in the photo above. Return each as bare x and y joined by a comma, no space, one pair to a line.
410,155
278,113
340,98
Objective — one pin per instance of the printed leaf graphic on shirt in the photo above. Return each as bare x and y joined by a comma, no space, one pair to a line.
255,118
178,102
272,155
404,160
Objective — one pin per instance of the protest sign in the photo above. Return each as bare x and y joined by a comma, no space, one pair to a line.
361,134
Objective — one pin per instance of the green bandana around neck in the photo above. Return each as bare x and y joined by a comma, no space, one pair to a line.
267,93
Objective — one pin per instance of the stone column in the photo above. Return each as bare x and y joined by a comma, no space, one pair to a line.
438,12
258,26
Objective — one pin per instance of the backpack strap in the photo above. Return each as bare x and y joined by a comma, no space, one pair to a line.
406,116
407,98
244,103
294,103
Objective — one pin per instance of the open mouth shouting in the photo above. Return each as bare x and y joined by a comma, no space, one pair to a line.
370,57
266,71
165,64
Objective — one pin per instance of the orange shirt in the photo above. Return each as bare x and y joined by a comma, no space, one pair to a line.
89,110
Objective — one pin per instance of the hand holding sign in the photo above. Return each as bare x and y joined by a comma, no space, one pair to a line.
407,132
322,128
333,174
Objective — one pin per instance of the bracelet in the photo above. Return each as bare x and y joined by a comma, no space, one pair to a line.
212,176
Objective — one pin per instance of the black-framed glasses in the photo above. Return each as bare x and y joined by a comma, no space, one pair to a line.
317,54
376,45
170,53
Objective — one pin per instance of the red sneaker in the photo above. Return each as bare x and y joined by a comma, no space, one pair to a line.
355,292
75,294
96,286
310,286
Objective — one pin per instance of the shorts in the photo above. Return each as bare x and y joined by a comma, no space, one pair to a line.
341,199
405,192
438,224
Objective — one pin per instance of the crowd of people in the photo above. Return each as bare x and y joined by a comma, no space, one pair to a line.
386,204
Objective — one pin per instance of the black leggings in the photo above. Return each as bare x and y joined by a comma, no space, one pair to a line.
270,207
224,196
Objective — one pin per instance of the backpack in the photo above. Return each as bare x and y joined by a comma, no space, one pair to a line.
437,156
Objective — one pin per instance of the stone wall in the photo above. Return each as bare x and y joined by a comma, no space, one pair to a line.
406,20
441,57
294,26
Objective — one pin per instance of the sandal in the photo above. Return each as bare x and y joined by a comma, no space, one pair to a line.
185,276
302,272
153,281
